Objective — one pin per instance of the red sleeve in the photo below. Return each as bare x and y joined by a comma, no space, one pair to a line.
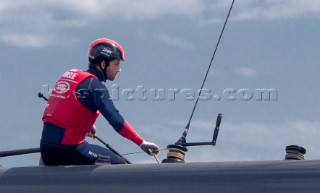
128,132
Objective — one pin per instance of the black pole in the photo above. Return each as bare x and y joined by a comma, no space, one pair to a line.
184,135
113,150
19,152
216,129
214,139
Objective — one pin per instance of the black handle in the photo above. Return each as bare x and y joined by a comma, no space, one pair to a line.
216,130
40,95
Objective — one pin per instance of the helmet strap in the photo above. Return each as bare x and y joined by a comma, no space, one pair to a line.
104,70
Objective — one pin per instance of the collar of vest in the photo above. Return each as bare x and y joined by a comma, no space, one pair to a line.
96,72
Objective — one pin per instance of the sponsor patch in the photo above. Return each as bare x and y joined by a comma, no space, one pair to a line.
70,74
61,87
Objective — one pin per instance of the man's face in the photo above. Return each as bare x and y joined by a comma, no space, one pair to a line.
113,69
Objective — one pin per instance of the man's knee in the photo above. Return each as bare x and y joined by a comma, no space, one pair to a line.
103,159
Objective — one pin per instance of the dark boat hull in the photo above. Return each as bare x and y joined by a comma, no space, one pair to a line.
229,177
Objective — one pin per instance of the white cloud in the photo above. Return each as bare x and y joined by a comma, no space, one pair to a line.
39,40
40,22
135,10
274,9
265,10
25,40
34,24
140,10
246,72
53,17
147,10
173,41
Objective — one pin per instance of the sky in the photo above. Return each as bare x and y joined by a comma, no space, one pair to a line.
263,78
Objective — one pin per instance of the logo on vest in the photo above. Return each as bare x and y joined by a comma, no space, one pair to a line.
61,87
70,74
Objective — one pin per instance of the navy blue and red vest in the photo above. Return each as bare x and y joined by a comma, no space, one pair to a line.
76,115
65,111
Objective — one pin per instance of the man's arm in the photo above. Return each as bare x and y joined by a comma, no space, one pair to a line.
104,104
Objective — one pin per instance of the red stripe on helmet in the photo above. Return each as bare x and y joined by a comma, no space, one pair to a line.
108,41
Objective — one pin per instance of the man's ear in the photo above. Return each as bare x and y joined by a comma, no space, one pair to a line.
103,64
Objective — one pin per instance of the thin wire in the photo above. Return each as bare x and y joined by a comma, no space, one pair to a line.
155,156
160,149
133,153
205,78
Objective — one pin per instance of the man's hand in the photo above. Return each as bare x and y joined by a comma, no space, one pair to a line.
92,133
149,147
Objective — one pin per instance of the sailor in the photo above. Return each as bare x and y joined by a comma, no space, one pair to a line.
76,100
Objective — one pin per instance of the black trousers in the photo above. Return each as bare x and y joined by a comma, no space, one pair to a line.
83,154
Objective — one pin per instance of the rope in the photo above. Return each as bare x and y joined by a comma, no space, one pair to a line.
294,156
160,149
176,153
173,153
155,156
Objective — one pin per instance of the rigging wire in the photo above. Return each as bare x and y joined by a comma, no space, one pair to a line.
184,135
137,152
154,156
